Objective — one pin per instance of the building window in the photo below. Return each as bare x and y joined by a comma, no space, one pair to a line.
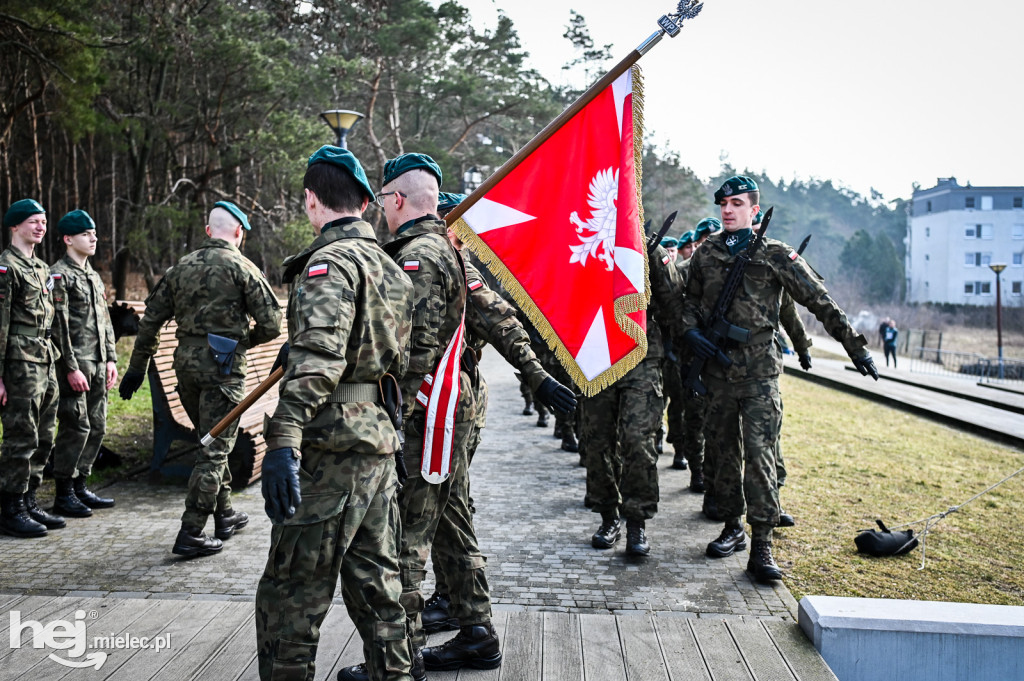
1015,287
977,231
929,203
977,259
986,203
969,288
1018,202
1018,232
968,202
1018,259
978,288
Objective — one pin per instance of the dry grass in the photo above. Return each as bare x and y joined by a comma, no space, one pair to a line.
851,461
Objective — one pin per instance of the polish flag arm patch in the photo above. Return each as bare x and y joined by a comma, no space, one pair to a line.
474,285
411,265
318,270
793,255
3,269
665,260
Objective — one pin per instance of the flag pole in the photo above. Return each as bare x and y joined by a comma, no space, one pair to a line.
258,392
668,23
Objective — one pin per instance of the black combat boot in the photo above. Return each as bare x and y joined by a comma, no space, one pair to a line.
731,540
87,497
528,407
785,519
359,673
636,538
679,461
226,523
14,519
192,541
659,441
760,563
542,418
66,502
435,614
697,480
607,534
475,646
710,507
569,442
52,521
557,432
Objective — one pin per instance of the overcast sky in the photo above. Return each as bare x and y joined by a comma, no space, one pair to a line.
874,93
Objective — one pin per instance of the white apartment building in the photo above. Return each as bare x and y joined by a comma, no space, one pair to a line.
954,233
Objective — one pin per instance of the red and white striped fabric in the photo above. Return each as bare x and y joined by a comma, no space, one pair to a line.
440,393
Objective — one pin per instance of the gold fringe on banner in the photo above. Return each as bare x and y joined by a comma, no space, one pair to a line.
622,306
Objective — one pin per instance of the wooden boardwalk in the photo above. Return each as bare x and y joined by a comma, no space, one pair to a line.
215,639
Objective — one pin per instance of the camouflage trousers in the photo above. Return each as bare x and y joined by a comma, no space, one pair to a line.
743,422
28,419
81,422
685,417
347,526
780,463
618,425
207,399
438,517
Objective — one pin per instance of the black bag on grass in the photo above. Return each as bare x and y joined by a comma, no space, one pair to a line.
885,542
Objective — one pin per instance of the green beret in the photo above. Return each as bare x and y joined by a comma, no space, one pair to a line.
707,226
737,184
344,159
670,242
687,238
75,222
757,218
21,211
406,162
235,211
447,201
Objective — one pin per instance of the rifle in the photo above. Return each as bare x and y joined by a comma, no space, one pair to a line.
655,239
718,330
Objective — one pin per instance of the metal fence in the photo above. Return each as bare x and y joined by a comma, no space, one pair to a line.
935,361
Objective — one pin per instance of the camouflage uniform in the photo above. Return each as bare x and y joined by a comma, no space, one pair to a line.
348,323
790,320
214,289
31,335
422,249
744,410
619,423
489,319
685,409
82,416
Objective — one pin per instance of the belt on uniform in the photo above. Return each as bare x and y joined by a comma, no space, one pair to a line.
763,337
31,331
355,392
202,342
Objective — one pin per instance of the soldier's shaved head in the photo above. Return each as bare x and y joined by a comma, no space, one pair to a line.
222,221
420,189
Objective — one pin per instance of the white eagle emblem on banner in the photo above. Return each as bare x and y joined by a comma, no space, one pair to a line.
600,242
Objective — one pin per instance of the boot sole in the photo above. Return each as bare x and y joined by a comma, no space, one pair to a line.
96,504
23,535
480,663
717,553
70,513
766,576
631,551
601,544
51,525
190,552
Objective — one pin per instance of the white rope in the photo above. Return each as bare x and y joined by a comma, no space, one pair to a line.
936,517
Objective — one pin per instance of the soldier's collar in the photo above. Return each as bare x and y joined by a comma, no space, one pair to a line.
412,223
347,227
213,242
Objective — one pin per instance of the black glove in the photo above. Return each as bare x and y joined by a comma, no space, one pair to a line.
866,366
401,472
701,346
556,396
130,383
281,483
282,358
805,361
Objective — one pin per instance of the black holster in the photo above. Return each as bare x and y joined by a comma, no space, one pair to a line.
885,542
391,396
223,351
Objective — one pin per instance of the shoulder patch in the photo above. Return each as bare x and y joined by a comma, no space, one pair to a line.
3,269
665,260
475,284
56,275
411,265
793,255
318,270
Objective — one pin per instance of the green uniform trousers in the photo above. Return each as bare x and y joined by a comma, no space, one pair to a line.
438,516
28,419
81,422
347,526
743,422
618,425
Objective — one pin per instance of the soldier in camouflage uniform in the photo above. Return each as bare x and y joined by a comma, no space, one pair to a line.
744,409
329,475
32,302
489,319
212,293
618,427
82,413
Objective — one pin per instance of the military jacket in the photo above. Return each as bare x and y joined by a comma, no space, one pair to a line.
30,300
89,325
424,253
349,321
214,289
491,319
665,308
790,320
775,267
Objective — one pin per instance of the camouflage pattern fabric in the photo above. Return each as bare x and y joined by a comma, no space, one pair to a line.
744,410
349,321
794,328
81,422
214,289
82,417
442,511
31,304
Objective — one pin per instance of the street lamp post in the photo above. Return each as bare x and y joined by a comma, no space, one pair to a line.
998,268
341,121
